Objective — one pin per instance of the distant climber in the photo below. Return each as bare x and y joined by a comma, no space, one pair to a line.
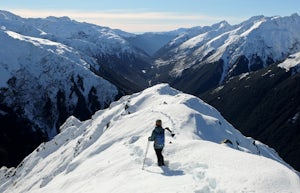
158,136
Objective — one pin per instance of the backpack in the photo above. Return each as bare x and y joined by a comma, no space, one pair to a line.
159,139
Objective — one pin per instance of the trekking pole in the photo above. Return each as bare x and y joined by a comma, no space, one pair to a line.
145,155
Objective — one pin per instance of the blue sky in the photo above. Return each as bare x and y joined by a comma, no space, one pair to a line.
152,15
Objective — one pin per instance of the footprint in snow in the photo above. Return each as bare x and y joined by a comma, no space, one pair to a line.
133,139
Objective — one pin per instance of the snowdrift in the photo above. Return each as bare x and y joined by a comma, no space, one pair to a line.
105,153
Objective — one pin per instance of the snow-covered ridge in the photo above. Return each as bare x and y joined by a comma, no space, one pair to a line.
106,152
88,38
63,28
261,40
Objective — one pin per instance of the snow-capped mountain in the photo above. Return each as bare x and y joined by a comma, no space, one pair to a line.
113,53
15,23
106,152
188,39
224,51
42,83
265,105
43,73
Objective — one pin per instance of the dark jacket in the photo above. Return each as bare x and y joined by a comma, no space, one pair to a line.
158,136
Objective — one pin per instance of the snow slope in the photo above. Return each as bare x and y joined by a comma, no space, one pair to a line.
34,70
105,153
261,40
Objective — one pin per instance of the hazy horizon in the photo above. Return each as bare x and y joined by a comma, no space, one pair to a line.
154,16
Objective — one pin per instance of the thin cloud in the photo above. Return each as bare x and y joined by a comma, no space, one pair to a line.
131,21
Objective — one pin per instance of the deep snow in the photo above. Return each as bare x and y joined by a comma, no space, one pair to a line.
105,153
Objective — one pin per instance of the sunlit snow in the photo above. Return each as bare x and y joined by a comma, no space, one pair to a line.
105,153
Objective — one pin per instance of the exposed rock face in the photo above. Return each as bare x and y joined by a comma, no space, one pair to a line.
264,105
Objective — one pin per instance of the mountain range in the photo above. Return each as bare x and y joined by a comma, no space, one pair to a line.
53,68
198,62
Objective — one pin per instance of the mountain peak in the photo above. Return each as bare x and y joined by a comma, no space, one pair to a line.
255,18
55,19
221,24
6,15
295,15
